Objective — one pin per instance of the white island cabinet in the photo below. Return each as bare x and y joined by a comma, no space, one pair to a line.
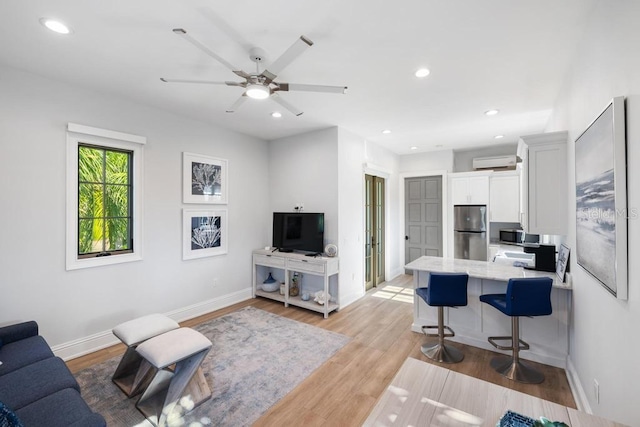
318,274
474,323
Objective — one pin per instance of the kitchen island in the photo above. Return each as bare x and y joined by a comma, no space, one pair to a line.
473,324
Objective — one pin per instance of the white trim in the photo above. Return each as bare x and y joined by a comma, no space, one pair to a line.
73,139
577,390
445,213
376,170
105,133
95,342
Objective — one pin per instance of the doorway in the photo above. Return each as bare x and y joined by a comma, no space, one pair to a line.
374,250
423,217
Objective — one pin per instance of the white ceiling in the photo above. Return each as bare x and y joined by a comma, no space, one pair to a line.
483,54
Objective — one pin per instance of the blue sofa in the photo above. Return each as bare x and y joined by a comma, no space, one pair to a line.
36,387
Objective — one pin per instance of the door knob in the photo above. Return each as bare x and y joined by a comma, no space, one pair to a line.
406,237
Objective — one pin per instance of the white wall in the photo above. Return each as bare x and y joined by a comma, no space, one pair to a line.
382,162
303,169
351,216
604,338
463,159
73,305
330,179
431,161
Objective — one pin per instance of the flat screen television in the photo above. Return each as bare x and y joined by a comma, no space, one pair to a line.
298,231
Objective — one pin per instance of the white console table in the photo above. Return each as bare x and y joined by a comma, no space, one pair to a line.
473,324
282,265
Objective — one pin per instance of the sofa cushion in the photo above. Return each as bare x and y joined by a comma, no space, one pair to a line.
17,354
8,418
18,331
32,382
61,409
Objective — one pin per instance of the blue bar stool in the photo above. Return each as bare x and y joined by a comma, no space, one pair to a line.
444,290
524,297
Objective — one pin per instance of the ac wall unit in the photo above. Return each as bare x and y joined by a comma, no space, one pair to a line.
496,162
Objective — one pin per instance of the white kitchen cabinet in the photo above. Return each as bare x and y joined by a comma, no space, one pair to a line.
504,197
543,183
470,188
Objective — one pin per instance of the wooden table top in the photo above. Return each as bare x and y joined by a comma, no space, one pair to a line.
424,394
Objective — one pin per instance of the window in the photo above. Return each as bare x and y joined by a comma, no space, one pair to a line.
104,197
104,201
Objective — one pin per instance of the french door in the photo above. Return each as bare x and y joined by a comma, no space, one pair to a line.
374,231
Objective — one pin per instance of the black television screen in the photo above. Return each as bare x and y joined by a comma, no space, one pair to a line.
299,231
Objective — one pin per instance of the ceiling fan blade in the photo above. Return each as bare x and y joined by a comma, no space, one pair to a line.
206,82
181,32
312,88
287,57
286,104
237,104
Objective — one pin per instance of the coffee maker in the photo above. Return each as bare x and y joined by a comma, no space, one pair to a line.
545,256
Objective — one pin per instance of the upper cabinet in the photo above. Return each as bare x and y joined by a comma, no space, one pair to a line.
543,183
470,188
504,200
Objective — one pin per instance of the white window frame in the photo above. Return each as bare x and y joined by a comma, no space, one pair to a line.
80,134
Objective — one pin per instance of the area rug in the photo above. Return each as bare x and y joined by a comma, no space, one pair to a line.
256,359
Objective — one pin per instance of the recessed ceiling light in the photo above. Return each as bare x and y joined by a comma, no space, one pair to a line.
55,25
491,112
276,114
386,131
414,148
498,137
423,72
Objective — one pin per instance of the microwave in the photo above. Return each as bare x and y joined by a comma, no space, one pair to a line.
512,235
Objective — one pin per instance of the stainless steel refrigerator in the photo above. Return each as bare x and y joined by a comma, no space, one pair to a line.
470,232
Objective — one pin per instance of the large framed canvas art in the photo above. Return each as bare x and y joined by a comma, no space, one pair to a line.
601,199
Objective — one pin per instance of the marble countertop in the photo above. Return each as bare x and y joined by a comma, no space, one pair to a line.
479,269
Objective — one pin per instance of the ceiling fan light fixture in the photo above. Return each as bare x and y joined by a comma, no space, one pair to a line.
256,91
55,26
422,73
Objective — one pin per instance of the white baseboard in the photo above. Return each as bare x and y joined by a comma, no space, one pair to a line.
576,388
350,299
95,342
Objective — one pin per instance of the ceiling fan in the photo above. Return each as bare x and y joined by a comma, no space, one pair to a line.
260,85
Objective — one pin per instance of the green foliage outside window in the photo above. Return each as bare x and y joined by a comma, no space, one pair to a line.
104,200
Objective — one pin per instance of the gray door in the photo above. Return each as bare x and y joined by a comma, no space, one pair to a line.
423,217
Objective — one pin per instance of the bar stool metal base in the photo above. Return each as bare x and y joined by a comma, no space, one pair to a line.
516,370
442,353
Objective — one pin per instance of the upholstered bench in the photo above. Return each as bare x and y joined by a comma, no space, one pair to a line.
132,375
171,393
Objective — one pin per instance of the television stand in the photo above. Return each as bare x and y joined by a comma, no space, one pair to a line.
284,265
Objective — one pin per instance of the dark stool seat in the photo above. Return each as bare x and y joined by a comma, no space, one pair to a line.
524,297
444,290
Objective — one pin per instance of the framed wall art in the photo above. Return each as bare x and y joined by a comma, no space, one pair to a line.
563,261
204,233
601,199
204,179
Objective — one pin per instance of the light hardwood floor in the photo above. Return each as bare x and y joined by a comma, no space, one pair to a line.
343,391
